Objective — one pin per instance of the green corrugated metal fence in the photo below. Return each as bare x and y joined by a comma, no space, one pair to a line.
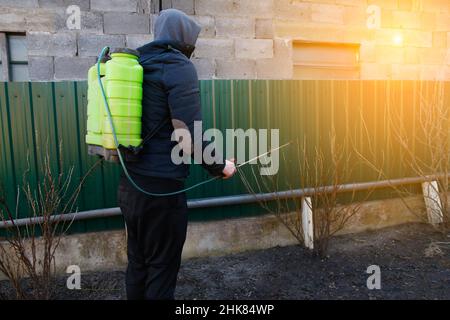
37,116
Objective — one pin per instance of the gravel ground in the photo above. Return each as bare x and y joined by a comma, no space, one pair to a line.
411,268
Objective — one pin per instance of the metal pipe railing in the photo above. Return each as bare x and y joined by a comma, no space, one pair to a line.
233,200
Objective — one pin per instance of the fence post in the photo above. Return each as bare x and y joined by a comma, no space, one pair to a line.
432,202
307,222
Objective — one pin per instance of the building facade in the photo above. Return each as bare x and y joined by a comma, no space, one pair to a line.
48,40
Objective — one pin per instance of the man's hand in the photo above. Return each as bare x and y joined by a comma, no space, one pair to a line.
230,168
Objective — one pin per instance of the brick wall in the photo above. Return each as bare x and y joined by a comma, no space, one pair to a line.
240,38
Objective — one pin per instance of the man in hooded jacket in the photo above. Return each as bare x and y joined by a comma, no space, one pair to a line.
156,225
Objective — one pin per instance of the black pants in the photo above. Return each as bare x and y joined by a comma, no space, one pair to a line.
156,228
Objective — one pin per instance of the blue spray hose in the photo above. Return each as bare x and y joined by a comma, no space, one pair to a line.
116,142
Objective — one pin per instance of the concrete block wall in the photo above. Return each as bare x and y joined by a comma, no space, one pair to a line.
245,39
57,52
423,27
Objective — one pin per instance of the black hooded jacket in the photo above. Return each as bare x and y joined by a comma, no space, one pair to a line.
171,95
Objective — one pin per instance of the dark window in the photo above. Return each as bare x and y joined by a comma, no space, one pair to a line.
157,5
13,57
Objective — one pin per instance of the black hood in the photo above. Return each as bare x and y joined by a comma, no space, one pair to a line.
174,26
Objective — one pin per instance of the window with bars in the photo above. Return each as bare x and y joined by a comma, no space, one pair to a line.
13,57
317,60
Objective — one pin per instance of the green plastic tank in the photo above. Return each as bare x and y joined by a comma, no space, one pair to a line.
123,85
95,108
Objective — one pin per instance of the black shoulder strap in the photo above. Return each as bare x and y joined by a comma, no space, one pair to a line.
162,123
154,131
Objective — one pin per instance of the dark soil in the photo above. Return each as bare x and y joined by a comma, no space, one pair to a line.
412,266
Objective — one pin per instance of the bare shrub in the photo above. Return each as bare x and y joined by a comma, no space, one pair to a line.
321,175
424,149
28,252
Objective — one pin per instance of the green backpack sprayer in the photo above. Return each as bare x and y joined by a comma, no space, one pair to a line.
115,108
114,111
121,78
